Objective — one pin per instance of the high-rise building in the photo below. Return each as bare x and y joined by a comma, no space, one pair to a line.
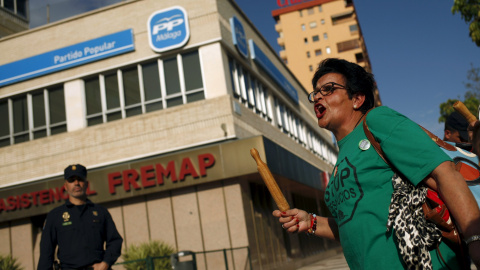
312,30
13,17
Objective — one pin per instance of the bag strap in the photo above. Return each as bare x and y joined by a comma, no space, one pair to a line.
379,150
374,142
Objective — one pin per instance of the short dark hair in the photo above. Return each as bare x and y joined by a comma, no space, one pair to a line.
358,80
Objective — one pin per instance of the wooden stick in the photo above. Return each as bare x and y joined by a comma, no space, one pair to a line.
462,109
272,186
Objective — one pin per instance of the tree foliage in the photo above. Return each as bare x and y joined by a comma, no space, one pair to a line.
471,98
153,249
470,12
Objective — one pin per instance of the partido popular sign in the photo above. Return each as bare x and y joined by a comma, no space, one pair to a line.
67,57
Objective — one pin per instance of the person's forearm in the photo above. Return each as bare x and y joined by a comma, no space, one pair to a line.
462,206
327,227
457,196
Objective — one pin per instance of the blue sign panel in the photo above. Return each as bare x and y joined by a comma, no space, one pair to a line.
168,29
262,60
67,57
238,36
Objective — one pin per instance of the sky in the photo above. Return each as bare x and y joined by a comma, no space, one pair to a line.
420,52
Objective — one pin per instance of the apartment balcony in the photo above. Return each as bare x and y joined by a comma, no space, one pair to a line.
281,41
278,27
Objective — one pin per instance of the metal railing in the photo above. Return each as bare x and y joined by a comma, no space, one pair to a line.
201,259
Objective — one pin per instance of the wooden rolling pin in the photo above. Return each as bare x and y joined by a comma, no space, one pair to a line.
272,186
462,109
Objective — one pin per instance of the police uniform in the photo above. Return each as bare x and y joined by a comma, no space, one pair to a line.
80,232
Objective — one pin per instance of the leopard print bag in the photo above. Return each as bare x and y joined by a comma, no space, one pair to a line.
415,235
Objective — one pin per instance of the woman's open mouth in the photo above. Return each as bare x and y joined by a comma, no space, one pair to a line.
319,110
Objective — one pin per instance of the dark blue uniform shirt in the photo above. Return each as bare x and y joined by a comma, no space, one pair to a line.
80,233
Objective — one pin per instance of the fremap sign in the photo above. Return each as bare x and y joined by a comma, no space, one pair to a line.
67,57
168,29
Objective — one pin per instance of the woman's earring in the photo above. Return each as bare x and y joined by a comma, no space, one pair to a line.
355,106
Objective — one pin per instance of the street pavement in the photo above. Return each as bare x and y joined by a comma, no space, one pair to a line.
336,262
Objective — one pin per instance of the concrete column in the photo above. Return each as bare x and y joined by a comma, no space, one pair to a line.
213,65
75,105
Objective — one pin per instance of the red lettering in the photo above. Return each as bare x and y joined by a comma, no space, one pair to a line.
11,201
44,197
34,197
129,179
169,171
114,179
147,176
187,169
63,194
2,206
89,191
280,4
25,200
54,194
205,161
284,3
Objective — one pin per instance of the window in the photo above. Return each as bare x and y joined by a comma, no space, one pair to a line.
359,57
320,9
308,54
342,18
249,91
35,115
305,40
144,88
348,45
310,11
9,4
353,28
318,52
18,7
313,24
315,38
303,27
300,13
310,67
328,50
325,36
322,21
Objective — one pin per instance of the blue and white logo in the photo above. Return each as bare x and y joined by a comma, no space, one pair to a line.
168,29
238,36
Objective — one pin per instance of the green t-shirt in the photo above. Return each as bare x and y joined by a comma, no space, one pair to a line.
359,192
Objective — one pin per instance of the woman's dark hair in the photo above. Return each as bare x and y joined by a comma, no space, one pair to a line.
358,80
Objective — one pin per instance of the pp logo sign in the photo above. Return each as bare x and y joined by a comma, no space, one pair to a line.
168,29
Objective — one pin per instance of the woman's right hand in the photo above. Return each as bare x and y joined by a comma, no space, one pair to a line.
294,220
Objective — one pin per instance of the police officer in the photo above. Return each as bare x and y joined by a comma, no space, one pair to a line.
79,228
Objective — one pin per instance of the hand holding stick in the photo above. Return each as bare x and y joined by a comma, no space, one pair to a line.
473,128
272,186
462,109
